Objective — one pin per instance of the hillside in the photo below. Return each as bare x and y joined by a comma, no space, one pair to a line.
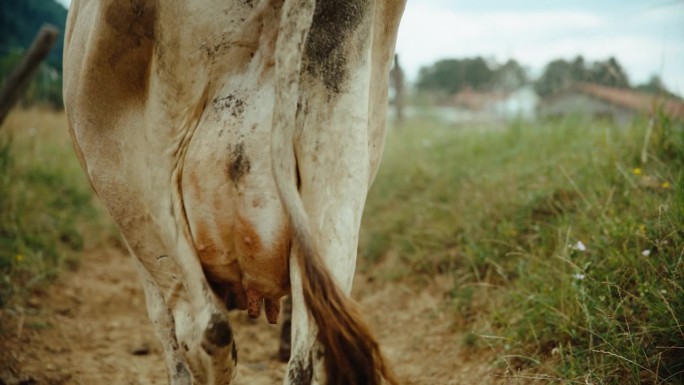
20,20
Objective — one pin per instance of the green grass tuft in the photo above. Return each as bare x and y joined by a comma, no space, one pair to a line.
46,205
502,211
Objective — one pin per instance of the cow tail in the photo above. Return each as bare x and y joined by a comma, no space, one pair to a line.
351,353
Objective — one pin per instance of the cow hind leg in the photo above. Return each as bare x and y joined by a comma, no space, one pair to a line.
300,368
162,319
218,343
207,341
285,347
193,329
201,319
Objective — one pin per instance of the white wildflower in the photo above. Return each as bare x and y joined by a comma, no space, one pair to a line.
646,253
578,276
580,246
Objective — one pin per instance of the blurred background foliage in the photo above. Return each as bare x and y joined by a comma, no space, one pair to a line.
20,21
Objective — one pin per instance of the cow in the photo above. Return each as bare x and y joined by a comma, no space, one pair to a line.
234,142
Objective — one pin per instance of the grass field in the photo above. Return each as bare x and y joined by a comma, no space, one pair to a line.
562,241
47,211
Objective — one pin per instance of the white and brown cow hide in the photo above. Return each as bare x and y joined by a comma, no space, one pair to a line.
234,142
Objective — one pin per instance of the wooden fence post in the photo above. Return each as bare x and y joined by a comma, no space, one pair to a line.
397,81
18,80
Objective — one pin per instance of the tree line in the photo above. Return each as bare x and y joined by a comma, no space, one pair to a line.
20,21
449,76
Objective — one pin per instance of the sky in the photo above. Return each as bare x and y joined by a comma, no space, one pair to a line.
645,36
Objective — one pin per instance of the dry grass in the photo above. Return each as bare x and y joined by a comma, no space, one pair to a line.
47,211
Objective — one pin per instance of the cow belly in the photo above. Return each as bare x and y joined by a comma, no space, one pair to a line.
238,226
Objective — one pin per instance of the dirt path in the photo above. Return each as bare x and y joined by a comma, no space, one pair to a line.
92,328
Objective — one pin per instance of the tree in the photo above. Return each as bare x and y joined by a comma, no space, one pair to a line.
656,86
609,73
452,75
578,70
509,76
557,75
560,74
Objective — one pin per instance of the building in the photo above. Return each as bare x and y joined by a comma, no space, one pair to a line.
519,104
496,105
616,104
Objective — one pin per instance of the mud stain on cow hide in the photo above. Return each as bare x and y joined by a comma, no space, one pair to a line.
300,371
129,44
234,105
326,52
238,165
219,332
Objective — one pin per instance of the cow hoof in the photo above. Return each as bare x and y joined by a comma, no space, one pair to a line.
181,375
218,333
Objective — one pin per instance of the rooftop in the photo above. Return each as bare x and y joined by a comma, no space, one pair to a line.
632,100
